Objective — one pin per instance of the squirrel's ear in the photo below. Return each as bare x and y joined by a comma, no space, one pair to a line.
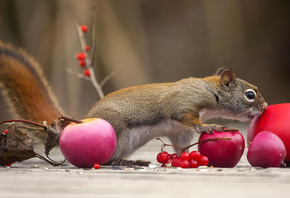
220,71
228,77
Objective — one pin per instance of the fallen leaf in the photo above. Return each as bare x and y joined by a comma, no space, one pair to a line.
53,134
15,146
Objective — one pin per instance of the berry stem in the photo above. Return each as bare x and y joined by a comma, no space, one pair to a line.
184,149
164,144
211,139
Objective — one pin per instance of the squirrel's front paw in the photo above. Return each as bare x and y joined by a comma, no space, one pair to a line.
210,128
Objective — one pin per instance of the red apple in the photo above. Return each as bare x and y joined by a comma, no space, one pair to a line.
222,153
276,119
91,142
266,150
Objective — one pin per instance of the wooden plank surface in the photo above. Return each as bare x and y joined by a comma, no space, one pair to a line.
34,178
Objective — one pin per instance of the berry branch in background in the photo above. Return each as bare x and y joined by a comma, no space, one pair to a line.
86,57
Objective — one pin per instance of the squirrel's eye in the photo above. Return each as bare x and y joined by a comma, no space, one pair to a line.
250,95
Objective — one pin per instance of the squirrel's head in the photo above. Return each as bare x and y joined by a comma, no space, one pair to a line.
240,99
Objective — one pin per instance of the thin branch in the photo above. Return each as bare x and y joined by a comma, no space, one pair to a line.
50,161
108,77
56,163
211,139
184,149
95,83
164,144
92,78
83,44
71,119
88,57
24,121
93,44
77,74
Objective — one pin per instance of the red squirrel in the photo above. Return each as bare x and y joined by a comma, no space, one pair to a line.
138,114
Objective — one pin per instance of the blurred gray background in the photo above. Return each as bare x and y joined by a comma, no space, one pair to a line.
148,41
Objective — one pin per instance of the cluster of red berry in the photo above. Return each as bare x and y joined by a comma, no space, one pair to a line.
185,160
81,56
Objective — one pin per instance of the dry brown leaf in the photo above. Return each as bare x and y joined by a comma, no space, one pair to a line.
53,134
15,146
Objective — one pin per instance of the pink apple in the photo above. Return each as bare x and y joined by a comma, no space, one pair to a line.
93,141
266,150
222,153
276,119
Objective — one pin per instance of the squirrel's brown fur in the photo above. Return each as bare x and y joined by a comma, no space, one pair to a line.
141,113
25,88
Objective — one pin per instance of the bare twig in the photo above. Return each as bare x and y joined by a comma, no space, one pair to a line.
71,119
50,161
184,149
95,83
202,141
89,58
164,144
77,74
93,34
24,121
108,77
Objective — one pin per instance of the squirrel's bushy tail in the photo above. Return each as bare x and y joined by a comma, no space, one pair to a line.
24,87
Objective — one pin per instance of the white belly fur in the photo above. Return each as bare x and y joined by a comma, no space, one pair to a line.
132,139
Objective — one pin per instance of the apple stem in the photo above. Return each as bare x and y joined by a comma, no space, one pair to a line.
25,121
71,119
202,141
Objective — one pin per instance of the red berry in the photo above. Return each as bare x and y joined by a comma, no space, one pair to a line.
168,163
176,162
96,166
193,163
81,55
87,48
162,157
5,131
84,28
195,155
184,164
87,73
9,164
203,160
174,156
184,156
82,63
